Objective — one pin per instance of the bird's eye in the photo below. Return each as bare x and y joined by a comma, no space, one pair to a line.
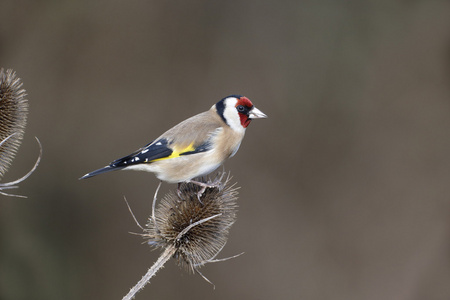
241,108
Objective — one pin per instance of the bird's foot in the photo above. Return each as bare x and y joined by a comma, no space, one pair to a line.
203,186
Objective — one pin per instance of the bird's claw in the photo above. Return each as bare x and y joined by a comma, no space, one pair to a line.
204,186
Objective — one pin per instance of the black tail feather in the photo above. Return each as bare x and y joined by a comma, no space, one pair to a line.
102,170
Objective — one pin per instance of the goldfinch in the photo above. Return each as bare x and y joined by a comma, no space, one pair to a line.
194,147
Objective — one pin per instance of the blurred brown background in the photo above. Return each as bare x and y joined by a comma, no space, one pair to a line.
345,187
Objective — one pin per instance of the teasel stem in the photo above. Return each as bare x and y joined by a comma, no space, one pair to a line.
163,258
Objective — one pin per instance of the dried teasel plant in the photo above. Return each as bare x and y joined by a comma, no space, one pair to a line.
193,232
13,118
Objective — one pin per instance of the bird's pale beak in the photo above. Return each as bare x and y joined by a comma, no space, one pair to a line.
256,114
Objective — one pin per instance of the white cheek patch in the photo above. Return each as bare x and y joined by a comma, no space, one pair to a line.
232,116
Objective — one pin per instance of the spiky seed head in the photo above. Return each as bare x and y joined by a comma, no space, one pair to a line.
13,116
202,242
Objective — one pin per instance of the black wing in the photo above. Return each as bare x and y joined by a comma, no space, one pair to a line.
149,153
155,150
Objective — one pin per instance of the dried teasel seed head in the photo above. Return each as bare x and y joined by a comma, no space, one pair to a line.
13,116
191,230
198,230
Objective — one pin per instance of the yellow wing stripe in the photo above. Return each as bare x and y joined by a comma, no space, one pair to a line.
177,152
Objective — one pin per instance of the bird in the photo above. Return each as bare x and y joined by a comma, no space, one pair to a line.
195,147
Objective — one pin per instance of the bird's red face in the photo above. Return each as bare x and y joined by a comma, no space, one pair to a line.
237,111
243,107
